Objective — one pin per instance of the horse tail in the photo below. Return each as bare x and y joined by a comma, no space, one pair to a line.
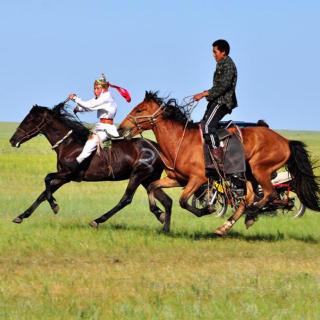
306,183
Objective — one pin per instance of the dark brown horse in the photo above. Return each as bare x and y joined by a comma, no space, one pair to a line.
136,160
182,147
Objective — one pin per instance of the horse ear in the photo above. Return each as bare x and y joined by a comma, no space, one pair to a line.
59,105
57,108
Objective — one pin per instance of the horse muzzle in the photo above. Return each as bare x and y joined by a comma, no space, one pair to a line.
15,142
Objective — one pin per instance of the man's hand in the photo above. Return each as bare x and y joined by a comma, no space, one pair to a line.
72,96
200,95
75,110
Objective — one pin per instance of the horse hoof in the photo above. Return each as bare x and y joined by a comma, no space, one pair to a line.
17,220
249,223
250,219
219,232
253,209
94,224
56,209
166,230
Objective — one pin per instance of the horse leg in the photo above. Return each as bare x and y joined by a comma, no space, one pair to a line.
159,214
249,198
193,185
166,201
263,163
154,191
27,213
263,177
163,198
126,199
53,182
45,195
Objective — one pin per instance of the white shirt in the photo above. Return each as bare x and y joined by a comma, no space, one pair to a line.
105,105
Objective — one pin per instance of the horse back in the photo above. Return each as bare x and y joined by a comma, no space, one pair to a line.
264,141
123,158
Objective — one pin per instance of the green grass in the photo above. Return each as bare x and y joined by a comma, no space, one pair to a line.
57,267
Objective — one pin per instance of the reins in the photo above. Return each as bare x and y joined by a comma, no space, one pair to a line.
190,104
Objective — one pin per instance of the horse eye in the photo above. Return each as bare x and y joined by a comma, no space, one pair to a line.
138,111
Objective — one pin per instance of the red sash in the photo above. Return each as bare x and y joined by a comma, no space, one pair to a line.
105,120
124,93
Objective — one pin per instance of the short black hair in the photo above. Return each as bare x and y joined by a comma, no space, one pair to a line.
222,46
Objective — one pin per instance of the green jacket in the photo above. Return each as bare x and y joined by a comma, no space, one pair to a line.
224,84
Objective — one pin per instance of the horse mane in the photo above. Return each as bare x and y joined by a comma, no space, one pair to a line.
79,131
171,109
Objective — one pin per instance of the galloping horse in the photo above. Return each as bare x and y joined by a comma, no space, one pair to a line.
136,160
181,145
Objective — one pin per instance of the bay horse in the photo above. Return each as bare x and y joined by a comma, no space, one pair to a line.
137,160
181,146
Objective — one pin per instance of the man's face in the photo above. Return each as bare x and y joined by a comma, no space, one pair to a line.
218,55
98,90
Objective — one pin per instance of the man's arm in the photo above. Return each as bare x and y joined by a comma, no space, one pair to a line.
221,87
200,95
92,104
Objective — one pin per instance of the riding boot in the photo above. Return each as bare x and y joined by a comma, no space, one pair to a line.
208,160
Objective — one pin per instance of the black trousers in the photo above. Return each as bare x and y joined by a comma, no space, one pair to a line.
209,123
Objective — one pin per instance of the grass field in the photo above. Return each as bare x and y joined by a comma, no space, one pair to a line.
57,267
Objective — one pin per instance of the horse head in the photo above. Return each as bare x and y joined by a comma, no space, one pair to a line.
33,124
142,117
51,122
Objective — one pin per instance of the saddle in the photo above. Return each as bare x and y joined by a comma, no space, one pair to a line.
233,158
108,142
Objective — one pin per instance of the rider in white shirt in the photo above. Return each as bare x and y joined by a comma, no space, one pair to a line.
106,109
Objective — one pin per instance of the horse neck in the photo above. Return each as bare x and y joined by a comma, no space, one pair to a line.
170,135
55,131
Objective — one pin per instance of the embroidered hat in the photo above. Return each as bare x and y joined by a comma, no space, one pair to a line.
102,81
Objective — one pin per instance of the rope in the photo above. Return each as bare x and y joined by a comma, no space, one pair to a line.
61,140
189,105
109,161
180,142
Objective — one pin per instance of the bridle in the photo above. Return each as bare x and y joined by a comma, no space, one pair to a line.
34,131
138,121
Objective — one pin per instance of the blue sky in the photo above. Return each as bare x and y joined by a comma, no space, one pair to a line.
51,48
